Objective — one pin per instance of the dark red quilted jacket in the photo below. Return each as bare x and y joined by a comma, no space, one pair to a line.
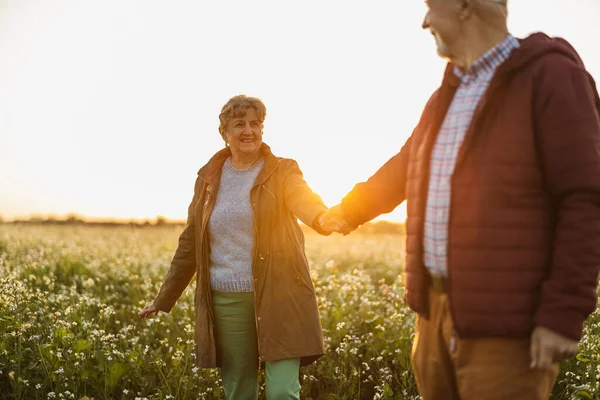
524,230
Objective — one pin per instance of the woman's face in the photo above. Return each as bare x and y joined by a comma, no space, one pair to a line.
244,135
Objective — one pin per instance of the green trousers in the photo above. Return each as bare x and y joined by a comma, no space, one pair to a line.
235,330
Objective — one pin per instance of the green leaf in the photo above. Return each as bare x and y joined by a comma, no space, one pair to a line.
100,357
45,350
115,372
60,332
583,394
582,358
137,356
81,345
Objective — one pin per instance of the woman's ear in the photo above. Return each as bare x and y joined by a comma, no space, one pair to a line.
223,135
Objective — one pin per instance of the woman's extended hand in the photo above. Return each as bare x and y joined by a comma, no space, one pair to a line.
149,311
332,220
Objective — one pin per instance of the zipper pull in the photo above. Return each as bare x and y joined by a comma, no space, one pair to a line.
453,344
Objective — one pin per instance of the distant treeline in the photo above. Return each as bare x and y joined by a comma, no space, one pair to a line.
377,227
78,220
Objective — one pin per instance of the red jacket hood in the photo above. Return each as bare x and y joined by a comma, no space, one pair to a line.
532,48
538,45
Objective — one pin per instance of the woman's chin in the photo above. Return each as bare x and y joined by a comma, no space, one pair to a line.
248,149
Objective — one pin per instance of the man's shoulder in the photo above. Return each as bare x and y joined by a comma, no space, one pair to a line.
556,64
433,99
544,56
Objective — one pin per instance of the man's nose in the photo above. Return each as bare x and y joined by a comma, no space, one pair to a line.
425,24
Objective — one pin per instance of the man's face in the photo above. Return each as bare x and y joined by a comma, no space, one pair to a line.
442,20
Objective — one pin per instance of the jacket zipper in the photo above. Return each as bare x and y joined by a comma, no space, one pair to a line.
254,261
206,269
475,123
254,291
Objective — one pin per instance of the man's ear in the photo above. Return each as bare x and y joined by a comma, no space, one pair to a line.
466,9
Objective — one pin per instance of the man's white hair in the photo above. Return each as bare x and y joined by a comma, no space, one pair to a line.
493,12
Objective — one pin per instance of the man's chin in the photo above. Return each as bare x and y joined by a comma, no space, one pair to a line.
443,52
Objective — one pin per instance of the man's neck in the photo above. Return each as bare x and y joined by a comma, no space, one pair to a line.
481,43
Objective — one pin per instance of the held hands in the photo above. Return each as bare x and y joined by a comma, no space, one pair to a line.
548,347
149,311
333,220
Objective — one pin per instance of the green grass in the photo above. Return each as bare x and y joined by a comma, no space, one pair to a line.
68,325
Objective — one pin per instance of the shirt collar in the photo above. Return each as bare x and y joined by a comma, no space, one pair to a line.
488,62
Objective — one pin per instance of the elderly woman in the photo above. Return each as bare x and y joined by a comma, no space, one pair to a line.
255,302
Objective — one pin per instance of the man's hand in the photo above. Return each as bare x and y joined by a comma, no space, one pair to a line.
149,311
548,347
332,220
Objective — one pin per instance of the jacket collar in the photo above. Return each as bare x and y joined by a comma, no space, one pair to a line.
211,172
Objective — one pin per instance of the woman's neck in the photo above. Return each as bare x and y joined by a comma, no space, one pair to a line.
244,161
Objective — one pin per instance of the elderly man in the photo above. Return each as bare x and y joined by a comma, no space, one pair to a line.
502,182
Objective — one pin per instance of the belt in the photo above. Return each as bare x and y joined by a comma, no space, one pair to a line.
439,283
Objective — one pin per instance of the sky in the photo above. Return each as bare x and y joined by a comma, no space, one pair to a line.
109,108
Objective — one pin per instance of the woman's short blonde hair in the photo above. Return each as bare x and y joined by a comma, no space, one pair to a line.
236,108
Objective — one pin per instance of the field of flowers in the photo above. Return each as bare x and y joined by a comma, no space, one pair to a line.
69,330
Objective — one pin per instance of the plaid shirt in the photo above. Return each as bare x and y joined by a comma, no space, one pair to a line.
473,84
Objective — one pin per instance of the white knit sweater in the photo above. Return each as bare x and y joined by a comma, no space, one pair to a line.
231,230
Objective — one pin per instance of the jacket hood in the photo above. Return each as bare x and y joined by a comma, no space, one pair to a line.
532,48
538,45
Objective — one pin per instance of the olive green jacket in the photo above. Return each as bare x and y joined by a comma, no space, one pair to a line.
287,317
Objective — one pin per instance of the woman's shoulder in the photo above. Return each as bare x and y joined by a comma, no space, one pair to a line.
215,163
287,164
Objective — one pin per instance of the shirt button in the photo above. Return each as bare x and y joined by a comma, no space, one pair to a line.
258,319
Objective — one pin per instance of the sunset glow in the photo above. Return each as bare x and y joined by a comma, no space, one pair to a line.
109,108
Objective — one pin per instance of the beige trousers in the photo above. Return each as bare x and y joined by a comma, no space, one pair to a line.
447,367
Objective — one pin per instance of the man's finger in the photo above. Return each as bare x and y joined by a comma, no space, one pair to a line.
546,356
565,352
534,349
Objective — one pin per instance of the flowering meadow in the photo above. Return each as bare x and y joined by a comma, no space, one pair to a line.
69,298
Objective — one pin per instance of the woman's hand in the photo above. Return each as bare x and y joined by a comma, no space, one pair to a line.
149,311
332,220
